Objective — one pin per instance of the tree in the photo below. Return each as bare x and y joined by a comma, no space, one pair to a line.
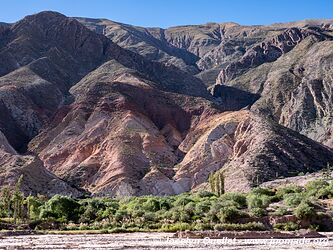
216,182
61,207
34,205
18,201
6,201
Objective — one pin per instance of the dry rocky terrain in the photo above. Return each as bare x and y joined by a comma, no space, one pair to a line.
92,105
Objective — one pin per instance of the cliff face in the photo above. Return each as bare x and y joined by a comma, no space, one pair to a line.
122,110
296,89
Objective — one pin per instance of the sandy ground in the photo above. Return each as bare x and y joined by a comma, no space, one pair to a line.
152,241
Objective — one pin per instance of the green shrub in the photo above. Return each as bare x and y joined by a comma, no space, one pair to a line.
251,226
238,199
215,208
34,206
287,190
181,201
190,208
121,215
203,226
258,201
84,227
204,194
316,188
202,207
151,205
304,211
60,207
258,212
289,226
228,214
263,191
149,216
92,210
293,199
281,211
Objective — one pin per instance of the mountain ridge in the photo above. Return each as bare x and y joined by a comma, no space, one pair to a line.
121,110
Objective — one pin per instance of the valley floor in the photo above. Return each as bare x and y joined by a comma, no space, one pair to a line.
153,241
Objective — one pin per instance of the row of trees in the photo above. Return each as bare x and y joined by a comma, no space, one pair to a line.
13,203
202,210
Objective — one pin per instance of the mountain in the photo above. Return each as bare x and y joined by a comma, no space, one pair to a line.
92,105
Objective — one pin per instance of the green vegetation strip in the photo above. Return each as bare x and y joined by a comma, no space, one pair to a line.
288,208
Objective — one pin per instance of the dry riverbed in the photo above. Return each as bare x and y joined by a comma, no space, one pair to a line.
154,241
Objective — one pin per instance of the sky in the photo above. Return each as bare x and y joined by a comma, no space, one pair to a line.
167,13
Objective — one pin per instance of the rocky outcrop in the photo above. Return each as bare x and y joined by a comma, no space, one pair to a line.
36,179
296,89
267,51
249,150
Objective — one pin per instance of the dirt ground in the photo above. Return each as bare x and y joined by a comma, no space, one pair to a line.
153,241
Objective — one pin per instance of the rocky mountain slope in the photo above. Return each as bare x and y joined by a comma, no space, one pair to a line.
36,179
117,109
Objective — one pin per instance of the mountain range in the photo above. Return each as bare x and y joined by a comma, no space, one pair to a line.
93,106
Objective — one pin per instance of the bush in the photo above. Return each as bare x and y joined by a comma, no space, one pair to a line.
34,206
202,207
293,199
151,205
281,211
258,212
238,199
121,215
60,207
92,210
149,216
287,190
258,201
203,226
182,200
316,188
304,211
289,226
190,208
228,214
263,191
251,226
204,194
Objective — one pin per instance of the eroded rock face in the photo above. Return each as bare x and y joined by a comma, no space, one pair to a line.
36,179
116,131
124,148
43,55
250,150
267,51
296,89
134,122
